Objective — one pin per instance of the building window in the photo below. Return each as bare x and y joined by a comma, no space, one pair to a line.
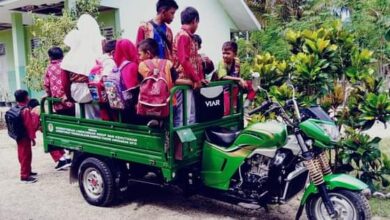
108,33
2,49
35,44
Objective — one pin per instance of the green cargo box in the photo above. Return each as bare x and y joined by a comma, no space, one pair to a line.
169,148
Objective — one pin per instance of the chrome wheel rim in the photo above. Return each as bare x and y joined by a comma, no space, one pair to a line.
345,210
93,183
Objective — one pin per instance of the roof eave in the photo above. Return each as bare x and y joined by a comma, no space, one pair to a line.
252,24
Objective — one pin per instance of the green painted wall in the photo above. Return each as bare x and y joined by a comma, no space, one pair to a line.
107,19
6,38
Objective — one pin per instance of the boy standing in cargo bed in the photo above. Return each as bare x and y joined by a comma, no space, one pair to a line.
20,128
185,53
158,28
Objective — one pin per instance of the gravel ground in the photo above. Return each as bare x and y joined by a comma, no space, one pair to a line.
53,197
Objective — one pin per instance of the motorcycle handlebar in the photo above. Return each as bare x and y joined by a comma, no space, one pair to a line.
264,106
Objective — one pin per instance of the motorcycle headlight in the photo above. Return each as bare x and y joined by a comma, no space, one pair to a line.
332,131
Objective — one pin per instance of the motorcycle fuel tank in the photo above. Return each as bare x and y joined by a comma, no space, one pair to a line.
265,135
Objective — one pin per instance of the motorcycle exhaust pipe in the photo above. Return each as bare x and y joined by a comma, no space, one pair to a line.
249,205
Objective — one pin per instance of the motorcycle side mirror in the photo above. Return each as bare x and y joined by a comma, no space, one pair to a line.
290,84
295,104
255,78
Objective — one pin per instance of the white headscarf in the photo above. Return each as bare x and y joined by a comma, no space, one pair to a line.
85,44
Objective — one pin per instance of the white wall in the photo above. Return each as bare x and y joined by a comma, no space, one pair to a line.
214,26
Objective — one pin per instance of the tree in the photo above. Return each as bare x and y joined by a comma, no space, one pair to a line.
51,31
330,66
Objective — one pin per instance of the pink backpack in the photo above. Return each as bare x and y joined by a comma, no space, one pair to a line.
154,92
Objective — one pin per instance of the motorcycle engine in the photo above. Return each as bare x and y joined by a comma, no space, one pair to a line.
254,174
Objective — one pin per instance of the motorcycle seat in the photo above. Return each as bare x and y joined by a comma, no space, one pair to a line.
220,136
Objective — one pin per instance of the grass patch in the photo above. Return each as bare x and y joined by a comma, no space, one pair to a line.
380,207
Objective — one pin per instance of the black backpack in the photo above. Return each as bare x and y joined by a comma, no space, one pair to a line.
14,121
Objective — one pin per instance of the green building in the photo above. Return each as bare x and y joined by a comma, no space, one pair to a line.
219,20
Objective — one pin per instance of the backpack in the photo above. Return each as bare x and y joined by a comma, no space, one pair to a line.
14,121
114,88
96,72
154,92
96,85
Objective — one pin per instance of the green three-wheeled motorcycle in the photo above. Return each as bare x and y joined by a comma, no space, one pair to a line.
252,167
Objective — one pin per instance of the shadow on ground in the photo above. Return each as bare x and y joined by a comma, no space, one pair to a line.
173,199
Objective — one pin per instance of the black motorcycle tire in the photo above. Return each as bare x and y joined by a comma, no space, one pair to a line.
106,196
355,199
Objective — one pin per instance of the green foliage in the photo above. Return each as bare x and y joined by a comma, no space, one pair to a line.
309,74
51,31
364,153
246,70
261,118
271,40
376,107
370,20
328,66
85,6
334,98
281,93
272,71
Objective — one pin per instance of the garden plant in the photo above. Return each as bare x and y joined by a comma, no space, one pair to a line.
333,63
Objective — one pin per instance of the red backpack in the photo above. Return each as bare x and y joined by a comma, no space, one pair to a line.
154,92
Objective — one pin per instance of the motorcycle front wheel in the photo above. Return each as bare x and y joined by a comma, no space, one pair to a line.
349,205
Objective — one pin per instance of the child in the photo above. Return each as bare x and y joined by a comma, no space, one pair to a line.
147,53
158,28
85,42
57,155
206,66
229,69
125,57
186,59
19,123
107,59
108,65
57,83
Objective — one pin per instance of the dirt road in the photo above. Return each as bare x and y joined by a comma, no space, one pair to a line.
52,197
